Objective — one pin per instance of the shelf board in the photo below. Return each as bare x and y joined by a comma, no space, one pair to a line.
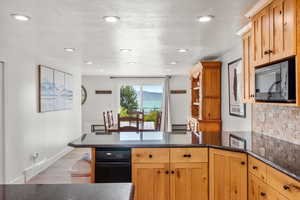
196,88
196,104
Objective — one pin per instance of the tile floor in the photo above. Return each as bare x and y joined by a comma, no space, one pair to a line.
60,171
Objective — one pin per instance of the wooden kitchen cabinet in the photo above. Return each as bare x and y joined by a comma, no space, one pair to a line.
206,96
284,184
227,175
189,181
258,190
282,29
274,32
261,37
249,73
181,174
151,181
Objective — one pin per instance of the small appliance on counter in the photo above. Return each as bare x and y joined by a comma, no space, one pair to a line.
276,82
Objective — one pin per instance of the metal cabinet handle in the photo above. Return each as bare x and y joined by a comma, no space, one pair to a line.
263,194
172,172
167,172
150,155
187,155
254,167
286,187
243,163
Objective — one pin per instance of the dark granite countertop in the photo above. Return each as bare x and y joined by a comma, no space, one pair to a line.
112,191
279,154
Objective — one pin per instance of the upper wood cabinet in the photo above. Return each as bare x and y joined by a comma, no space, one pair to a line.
249,88
274,32
282,29
227,175
261,37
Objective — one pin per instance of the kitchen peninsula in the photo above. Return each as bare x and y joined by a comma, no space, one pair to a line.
168,165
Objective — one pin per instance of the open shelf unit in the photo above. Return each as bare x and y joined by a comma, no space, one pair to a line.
206,96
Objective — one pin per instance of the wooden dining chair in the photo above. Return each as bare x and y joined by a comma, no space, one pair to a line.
140,116
105,121
108,119
112,118
158,121
131,127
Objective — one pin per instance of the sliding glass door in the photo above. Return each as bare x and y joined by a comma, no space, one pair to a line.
143,98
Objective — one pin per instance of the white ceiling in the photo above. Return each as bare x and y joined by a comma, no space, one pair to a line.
154,29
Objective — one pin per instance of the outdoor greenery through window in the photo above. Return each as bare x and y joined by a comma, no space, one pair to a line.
147,98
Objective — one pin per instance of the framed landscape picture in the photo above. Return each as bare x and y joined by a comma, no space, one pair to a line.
55,90
235,85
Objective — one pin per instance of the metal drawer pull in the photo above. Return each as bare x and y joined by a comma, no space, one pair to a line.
263,194
172,172
254,167
243,163
150,155
167,172
286,187
187,155
291,187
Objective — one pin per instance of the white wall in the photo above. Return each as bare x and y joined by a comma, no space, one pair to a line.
1,123
232,123
180,103
95,104
26,130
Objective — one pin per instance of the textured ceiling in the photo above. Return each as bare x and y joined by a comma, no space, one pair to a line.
154,29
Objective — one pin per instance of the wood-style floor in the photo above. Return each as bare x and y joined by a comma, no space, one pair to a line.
60,171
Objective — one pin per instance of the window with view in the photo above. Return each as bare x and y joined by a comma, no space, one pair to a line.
146,98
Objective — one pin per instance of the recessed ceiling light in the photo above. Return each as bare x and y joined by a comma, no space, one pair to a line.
20,17
131,63
125,50
69,49
88,62
168,70
111,19
173,63
182,50
205,18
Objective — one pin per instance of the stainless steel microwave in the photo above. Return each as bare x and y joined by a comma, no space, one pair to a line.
276,82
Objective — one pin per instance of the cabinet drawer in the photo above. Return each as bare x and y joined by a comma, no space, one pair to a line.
188,155
257,168
283,184
150,155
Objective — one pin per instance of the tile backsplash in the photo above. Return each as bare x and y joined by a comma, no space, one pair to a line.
281,122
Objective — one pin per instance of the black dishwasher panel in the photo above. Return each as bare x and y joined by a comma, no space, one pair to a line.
113,166
110,155
113,172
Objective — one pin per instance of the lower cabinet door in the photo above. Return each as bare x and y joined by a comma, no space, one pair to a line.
227,175
258,190
151,181
189,181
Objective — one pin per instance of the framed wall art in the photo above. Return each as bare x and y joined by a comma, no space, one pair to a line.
55,90
235,84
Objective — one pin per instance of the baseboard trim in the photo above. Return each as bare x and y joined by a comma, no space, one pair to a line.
37,168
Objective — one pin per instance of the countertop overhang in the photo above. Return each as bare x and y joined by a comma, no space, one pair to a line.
183,140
